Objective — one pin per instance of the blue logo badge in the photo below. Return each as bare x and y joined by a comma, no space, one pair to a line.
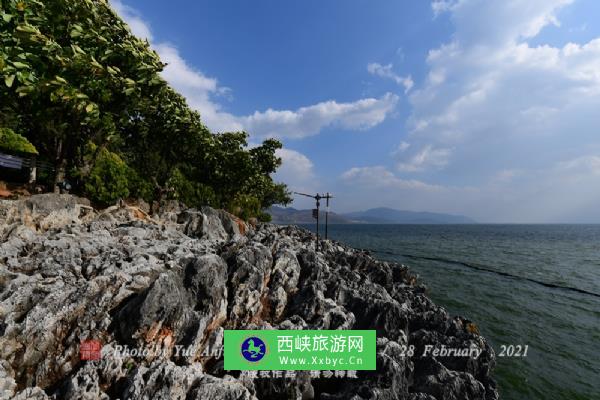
253,349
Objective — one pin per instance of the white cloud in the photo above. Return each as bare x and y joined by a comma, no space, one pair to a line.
308,121
381,177
425,158
296,169
506,176
139,27
489,93
201,90
402,147
440,6
385,71
589,164
400,54
497,22
179,73
198,89
298,172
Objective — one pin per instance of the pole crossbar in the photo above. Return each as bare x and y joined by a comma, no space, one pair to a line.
317,198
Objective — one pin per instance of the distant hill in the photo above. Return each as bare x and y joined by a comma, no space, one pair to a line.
379,215
383,215
291,215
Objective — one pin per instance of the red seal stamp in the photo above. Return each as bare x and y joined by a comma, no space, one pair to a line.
90,350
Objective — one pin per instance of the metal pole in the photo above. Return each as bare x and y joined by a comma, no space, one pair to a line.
327,216
317,197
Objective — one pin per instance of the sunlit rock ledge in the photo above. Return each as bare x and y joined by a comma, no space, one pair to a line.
69,273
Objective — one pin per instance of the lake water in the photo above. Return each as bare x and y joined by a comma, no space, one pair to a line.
534,285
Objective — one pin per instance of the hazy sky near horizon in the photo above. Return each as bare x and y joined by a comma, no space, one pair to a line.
485,108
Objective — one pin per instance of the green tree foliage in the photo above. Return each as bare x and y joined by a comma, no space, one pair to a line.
71,74
13,142
71,71
108,179
189,191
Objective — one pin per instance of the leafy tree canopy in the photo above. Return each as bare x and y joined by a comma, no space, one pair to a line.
88,95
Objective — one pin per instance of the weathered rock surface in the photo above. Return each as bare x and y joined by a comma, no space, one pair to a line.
69,273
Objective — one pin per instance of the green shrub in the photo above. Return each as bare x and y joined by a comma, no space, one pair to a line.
245,206
108,179
11,141
264,216
191,193
139,188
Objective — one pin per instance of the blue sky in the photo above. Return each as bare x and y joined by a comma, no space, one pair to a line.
476,107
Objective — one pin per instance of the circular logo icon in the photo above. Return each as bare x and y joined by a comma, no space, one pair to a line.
253,349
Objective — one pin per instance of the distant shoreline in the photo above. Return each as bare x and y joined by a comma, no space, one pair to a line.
380,215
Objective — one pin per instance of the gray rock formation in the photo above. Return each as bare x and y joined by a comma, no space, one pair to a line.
176,280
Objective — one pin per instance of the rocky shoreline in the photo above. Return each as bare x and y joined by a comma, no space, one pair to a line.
69,273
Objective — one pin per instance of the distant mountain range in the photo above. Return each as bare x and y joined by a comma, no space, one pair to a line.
381,215
291,215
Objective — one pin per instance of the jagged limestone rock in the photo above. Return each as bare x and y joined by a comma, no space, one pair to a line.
172,282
